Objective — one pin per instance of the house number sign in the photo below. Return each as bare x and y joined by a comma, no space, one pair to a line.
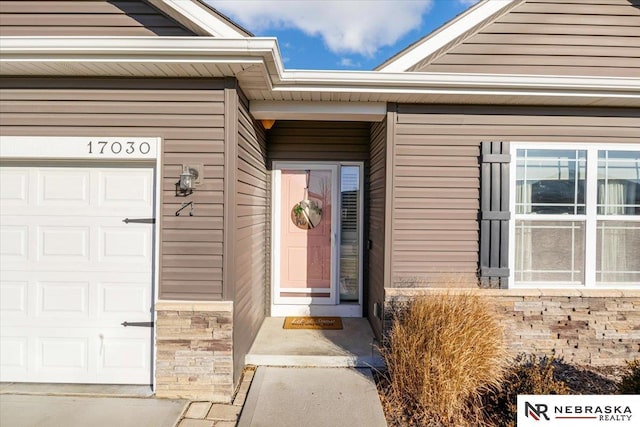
128,148
74,147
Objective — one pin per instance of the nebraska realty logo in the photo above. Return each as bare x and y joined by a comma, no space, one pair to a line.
583,411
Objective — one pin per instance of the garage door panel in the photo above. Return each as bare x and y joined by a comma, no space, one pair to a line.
14,240
111,266
128,247
63,299
110,355
123,353
113,215
125,244
64,187
124,360
14,187
63,244
72,272
13,356
105,301
13,299
126,301
63,353
131,191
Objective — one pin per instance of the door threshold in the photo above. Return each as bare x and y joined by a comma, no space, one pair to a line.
94,390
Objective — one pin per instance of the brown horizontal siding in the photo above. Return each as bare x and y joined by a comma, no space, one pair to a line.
85,18
377,188
250,234
189,121
320,141
551,37
435,231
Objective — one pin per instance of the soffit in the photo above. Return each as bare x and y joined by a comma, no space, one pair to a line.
256,64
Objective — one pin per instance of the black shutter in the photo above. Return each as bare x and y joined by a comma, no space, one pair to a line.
494,214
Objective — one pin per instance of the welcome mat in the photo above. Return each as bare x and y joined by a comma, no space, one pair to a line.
312,322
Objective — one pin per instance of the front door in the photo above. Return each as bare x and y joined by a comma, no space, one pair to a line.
307,247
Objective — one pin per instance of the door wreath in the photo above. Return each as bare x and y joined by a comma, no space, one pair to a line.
306,214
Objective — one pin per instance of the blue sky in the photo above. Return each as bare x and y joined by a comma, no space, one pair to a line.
341,34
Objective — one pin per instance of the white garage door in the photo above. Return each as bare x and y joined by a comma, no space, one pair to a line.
72,271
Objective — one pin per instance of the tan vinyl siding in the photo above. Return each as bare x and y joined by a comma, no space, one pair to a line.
189,118
596,38
250,234
319,141
85,18
436,176
376,217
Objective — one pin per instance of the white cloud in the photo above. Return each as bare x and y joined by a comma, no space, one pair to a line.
346,26
348,63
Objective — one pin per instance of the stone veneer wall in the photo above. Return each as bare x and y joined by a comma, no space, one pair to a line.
194,342
586,326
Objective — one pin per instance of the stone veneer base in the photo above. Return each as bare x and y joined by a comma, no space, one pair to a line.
584,326
194,357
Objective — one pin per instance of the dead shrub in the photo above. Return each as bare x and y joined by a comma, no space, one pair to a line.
527,375
630,382
443,351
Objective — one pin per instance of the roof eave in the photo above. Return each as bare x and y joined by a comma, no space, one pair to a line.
262,55
200,18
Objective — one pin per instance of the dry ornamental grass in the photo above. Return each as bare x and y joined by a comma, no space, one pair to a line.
443,352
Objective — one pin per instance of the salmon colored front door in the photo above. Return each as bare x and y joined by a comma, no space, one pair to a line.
305,217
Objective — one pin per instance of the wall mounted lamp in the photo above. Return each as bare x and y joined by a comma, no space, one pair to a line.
190,177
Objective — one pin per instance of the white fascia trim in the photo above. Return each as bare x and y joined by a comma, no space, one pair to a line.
265,53
24,46
447,34
416,82
197,18
202,50
308,110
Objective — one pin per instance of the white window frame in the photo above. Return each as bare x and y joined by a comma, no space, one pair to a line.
590,218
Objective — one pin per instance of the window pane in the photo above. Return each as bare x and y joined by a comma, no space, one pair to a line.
349,233
550,251
550,181
618,252
619,183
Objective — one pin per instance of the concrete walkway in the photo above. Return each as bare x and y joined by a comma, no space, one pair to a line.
73,411
90,405
312,397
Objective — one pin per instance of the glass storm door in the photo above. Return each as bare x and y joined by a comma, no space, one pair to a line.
305,219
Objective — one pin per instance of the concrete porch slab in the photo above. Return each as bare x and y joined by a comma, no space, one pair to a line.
353,346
